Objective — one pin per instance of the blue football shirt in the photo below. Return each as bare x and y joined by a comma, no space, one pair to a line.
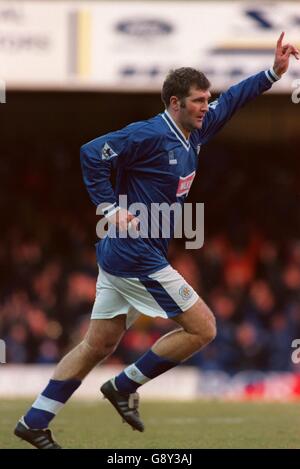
154,163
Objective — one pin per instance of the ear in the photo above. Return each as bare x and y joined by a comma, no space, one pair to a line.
174,103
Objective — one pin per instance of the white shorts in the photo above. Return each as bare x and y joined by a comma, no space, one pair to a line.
164,294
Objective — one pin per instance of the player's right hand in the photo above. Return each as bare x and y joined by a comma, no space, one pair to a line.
123,220
282,56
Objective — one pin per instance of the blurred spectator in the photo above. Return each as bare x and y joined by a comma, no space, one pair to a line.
252,348
261,304
17,344
281,337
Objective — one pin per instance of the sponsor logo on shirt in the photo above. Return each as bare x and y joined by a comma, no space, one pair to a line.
184,184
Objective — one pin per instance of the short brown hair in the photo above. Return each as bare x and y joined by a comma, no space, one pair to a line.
179,81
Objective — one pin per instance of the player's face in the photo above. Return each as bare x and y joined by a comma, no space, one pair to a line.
193,109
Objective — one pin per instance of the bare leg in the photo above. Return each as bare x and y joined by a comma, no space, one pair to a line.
100,341
198,329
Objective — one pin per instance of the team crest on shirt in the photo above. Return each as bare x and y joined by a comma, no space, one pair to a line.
108,152
185,292
184,184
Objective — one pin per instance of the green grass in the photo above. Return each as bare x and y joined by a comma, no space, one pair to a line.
194,424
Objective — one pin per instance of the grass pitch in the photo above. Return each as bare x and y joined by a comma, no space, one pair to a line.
196,424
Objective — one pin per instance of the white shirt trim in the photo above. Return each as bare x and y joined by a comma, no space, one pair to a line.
182,140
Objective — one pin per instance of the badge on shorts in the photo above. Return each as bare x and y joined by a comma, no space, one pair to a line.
185,292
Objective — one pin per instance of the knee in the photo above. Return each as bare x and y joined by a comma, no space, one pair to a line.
210,333
205,335
99,347
210,330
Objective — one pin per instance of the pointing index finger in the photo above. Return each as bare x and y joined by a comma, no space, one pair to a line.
279,42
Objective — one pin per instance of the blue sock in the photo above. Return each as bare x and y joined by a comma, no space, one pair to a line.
143,370
49,402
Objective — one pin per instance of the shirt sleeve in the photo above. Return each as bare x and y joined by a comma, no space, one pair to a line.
223,108
131,148
97,158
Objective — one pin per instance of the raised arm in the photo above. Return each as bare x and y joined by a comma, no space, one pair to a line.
222,109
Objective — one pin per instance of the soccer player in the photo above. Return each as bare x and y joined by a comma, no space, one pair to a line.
156,161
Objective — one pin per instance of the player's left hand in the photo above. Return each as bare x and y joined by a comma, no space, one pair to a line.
282,56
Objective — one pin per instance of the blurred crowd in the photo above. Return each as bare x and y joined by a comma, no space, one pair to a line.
253,290
248,271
